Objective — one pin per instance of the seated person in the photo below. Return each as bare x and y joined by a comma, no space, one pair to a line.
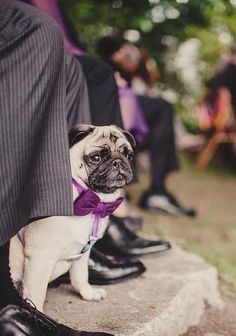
225,78
158,115
36,83
217,112
105,109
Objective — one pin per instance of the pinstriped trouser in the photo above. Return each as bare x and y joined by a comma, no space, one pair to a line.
42,94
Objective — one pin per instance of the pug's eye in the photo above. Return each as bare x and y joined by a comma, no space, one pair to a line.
128,154
95,159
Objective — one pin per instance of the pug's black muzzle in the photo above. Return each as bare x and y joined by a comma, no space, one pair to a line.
110,175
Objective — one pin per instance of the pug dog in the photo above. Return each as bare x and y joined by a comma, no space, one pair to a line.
101,163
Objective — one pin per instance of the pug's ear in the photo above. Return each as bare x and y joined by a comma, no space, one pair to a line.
130,138
79,132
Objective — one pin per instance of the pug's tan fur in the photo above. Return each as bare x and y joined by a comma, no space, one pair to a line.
49,242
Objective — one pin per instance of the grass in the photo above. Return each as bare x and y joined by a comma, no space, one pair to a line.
212,234
223,259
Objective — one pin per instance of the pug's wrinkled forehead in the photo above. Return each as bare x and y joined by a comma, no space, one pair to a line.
110,138
99,137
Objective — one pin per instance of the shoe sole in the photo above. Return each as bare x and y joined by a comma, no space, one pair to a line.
166,212
151,254
66,281
116,281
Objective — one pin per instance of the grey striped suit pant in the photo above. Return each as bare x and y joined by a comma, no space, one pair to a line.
42,94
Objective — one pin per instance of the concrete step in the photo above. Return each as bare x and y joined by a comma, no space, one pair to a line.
164,301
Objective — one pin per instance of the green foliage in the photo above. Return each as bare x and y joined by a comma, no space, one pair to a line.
212,22
91,17
190,122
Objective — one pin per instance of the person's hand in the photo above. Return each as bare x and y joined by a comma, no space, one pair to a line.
120,81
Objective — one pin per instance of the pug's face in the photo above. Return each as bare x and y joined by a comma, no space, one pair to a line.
102,157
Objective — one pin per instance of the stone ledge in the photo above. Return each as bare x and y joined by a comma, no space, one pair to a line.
164,301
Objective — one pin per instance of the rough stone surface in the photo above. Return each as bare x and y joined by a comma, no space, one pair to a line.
164,301
214,334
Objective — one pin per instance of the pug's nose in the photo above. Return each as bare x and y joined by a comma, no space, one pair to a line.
117,163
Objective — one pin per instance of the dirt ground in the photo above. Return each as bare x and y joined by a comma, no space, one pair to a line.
212,234
217,322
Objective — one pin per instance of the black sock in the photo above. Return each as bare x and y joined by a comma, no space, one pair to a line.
8,293
158,188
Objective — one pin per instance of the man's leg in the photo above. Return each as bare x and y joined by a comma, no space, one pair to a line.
31,59
35,168
103,92
159,117
161,144
77,100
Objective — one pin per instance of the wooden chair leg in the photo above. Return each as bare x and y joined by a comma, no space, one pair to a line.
209,151
232,138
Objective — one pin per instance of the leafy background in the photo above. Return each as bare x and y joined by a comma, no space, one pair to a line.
167,29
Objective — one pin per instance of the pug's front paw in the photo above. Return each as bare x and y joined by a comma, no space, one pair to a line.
90,293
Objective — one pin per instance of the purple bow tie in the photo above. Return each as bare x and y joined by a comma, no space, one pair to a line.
88,202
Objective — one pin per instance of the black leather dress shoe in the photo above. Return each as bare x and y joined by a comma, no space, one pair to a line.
24,320
106,271
164,202
118,240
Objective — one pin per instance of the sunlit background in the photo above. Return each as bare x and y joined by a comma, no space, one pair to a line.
186,37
